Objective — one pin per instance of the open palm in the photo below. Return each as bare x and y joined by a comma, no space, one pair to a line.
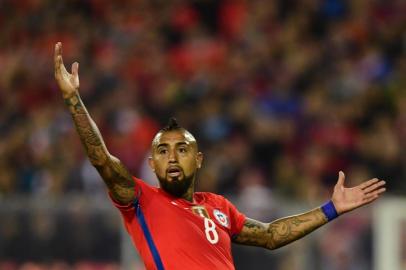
347,199
68,83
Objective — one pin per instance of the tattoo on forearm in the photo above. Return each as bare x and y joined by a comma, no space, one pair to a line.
118,180
115,175
280,232
88,131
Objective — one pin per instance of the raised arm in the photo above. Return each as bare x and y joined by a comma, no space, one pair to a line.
117,178
286,230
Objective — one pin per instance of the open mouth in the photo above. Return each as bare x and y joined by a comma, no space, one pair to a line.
174,171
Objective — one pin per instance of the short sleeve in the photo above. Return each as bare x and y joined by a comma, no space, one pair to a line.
237,219
128,210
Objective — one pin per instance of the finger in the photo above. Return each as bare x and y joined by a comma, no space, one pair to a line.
59,66
75,74
374,194
374,186
379,191
57,52
75,69
56,59
370,199
341,179
368,183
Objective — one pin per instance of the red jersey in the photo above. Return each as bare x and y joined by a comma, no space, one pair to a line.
175,234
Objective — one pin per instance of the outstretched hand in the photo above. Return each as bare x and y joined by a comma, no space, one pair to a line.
68,82
347,199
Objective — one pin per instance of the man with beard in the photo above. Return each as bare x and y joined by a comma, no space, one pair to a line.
174,227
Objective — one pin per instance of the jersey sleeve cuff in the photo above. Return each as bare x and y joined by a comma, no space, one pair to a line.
239,225
122,207
128,206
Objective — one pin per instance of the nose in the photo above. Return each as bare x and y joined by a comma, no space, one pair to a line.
173,158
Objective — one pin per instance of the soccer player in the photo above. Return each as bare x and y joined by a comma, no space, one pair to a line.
173,227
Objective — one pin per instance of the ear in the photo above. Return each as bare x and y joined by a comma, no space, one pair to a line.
199,160
151,164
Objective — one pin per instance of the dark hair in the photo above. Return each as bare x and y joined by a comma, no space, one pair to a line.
172,125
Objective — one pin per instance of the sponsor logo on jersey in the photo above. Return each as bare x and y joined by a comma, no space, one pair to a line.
221,217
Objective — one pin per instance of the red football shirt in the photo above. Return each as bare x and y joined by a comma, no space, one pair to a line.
175,234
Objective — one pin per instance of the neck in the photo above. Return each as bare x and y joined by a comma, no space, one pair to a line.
189,193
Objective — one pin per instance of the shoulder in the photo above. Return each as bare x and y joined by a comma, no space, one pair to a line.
209,195
143,187
213,198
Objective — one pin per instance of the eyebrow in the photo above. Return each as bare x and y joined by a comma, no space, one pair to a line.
177,144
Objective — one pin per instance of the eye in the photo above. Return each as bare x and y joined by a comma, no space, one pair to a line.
182,150
162,151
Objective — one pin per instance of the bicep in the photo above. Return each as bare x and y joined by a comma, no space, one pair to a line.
253,233
118,180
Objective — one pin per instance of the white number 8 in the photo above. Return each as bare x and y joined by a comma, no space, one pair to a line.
210,230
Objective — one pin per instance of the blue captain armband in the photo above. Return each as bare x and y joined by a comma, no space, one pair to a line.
329,210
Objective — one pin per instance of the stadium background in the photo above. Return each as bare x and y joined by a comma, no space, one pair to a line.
280,94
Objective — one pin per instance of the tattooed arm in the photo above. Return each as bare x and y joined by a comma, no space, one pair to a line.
286,230
115,175
280,232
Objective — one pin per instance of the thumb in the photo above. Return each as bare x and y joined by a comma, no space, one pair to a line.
341,178
75,69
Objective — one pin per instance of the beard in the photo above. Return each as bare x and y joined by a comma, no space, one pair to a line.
176,187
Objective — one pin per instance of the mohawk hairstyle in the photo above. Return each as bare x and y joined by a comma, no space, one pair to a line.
172,125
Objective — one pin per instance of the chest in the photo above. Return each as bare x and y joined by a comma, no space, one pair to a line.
202,223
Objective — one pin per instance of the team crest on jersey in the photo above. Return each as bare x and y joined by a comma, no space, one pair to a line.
200,211
221,217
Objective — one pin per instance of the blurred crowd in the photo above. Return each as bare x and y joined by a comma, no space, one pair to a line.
280,95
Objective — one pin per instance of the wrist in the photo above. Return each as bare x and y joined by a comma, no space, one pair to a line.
329,210
71,99
69,93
